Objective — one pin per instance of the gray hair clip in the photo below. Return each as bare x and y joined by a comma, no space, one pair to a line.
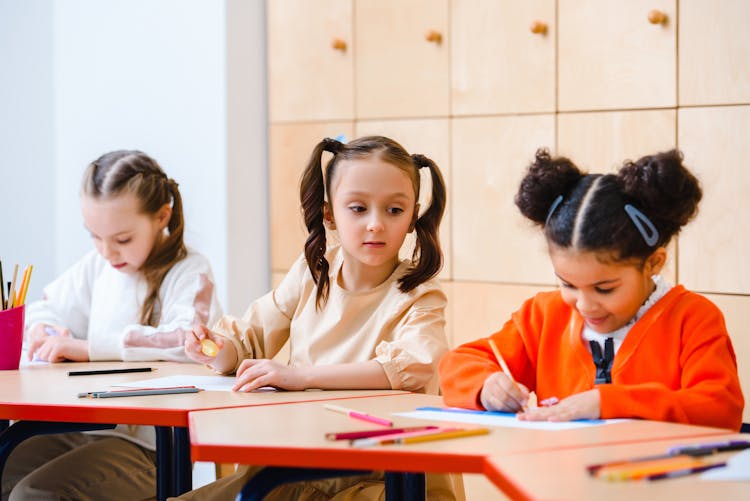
639,220
552,208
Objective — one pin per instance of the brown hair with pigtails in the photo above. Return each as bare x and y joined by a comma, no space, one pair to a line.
129,171
427,257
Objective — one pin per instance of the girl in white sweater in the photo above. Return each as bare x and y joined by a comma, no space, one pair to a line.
135,297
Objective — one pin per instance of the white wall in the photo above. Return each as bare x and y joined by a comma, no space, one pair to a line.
150,75
27,174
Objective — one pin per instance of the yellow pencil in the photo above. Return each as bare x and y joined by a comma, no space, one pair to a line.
444,435
25,285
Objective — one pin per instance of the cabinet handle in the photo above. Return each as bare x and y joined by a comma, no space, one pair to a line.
434,36
338,44
538,28
657,17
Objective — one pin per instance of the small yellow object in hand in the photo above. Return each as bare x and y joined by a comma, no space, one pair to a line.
209,348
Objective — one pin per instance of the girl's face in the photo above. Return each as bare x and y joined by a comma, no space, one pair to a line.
606,294
372,207
122,234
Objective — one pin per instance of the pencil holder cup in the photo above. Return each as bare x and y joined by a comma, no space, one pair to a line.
11,337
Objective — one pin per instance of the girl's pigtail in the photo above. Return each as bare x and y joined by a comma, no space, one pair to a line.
427,256
664,190
545,185
164,255
312,198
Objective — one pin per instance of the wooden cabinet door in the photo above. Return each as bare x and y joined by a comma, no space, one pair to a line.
430,137
480,309
602,141
290,149
715,247
492,241
610,56
398,71
714,52
310,69
498,64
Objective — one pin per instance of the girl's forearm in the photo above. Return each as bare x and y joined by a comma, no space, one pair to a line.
353,376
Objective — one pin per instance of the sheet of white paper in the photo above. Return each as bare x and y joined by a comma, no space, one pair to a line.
208,383
500,419
737,468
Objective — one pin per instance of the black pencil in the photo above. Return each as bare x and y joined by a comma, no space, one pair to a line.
109,371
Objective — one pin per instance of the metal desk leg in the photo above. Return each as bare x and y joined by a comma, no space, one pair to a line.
414,486
21,430
183,467
269,478
394,486
164,450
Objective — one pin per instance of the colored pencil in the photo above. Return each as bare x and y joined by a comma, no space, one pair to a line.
358,415
684,472
354,435
395,438
25,284
12,290
504,366
138,392
642,469
2,288
109,371
445,435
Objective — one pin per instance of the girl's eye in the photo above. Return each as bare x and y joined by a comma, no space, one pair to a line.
125,241
566,285
603,291
357,208
395,210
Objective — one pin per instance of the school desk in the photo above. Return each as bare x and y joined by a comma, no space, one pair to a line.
562,474
284,437
44,396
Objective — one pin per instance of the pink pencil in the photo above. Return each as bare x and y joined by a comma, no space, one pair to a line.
359,415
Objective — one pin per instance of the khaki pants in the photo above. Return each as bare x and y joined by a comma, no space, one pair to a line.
79,466
360,488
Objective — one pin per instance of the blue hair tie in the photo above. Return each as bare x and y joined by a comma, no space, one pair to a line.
639,220
552,208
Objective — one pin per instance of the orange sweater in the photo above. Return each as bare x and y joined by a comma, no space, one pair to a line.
676,363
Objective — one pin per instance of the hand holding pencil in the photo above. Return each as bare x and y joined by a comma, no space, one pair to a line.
500,391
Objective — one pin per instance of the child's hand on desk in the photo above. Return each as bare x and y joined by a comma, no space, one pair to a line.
52,343
584,405
253,374
500,393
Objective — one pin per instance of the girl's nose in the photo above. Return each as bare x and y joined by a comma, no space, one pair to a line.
585,303
374,223
107,251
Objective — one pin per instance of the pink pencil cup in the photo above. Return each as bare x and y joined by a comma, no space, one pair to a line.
11,337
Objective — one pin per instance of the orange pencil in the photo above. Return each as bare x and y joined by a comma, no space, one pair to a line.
25,285
24,277
638,470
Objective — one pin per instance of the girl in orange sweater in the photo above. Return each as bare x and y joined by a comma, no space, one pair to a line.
615,340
